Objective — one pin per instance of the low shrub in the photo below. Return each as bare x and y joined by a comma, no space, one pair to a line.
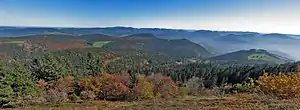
247,86
283,86
60,91
92,84
143,89
107,86
55,96
164,87
183,91
65,84
195,85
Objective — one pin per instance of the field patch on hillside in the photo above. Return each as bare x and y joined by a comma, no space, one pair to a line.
262,57
17,42
100,43
12,42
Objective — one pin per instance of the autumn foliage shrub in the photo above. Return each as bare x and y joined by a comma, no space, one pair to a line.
116,87
92,84
107,86
113,88
60,91
164,86
283,86
65,84
143,89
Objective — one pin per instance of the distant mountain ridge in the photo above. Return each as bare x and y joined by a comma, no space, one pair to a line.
150,43
220,41
123,31
145,42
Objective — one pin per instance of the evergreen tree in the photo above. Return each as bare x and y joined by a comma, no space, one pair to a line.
50,68
6,92
16,84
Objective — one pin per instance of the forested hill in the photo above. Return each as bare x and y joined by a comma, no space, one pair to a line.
150,43
218,42
252,56
145,42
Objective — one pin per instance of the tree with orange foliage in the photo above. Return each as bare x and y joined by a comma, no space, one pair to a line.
60,91
91,84
107,86
164,86
283,86
143,89
65,84
113,88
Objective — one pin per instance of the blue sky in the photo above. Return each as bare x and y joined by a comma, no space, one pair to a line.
282,16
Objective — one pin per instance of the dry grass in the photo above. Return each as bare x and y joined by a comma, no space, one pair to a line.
230,102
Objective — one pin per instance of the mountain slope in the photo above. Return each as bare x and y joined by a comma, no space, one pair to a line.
137,42
24,31
220,41
150,43
251,56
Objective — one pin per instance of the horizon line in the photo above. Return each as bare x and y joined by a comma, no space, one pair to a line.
184,29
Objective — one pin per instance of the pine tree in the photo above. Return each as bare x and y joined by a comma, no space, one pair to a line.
6,92
16,84
50,68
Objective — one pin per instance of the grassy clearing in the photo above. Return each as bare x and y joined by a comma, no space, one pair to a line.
230,102
262,57
100,43
12,42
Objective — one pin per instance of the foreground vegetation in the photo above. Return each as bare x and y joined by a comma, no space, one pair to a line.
115,78
58,81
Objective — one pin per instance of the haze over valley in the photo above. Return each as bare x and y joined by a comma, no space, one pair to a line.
216,42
